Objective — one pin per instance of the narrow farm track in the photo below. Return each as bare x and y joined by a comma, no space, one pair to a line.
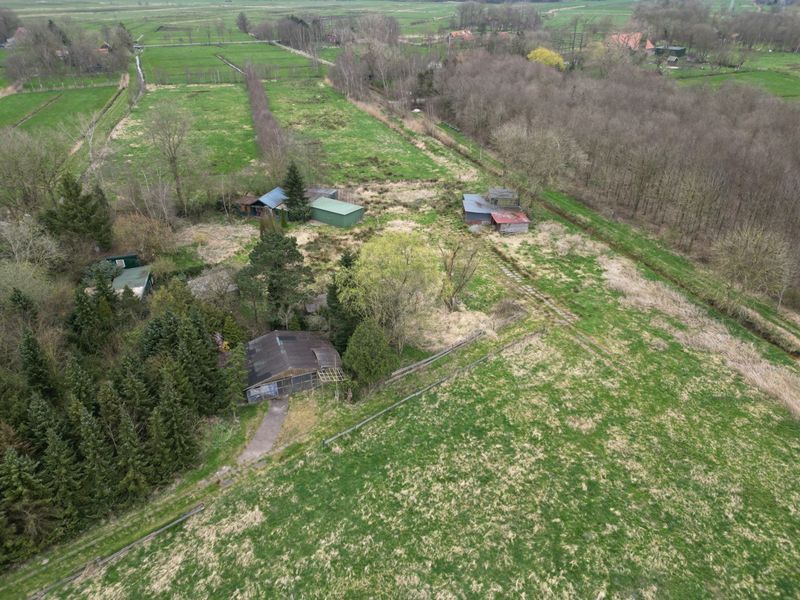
229,63
36,111
559,315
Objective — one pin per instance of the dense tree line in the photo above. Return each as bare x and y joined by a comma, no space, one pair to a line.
500,17
691,23
693,164
52,48
81,435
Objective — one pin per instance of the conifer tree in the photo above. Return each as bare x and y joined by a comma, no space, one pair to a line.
80,217
341,317
41,417
62,477
136,397
25,500
101,224
173,375
160,335
295,190
109,404
369,355
79,385
25,305
84,323
235,377
36,366
198,357
172,435
131,464
95,462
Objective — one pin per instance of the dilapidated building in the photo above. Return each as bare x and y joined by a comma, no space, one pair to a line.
281,363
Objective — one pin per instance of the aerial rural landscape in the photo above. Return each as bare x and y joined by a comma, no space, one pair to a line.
398,299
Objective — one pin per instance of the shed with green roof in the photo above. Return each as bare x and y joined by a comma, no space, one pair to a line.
138,279
336,212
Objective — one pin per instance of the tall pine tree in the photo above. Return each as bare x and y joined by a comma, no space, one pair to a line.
96,453
131,463
78,217
172,435
63,478
84,323
36,366
295,190
26,501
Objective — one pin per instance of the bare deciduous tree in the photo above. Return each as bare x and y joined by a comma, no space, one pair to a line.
460,261
168,129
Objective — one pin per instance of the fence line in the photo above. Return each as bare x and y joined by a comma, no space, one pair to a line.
402,372
326,442
99,562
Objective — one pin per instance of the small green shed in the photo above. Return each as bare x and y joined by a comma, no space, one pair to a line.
336,212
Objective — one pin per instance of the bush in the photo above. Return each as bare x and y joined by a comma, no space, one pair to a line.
369,356
143,235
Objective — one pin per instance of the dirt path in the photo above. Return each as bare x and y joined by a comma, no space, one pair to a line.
267,433
555,10
301,53
229,63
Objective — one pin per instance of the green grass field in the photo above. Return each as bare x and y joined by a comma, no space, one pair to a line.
53,109
200,64
545,471
222,128
358,147
777,83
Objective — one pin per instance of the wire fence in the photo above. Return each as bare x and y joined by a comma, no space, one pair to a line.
100,562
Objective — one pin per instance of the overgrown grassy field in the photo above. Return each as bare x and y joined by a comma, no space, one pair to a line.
201,64
546,470
53,109
358,147
778,83
222,128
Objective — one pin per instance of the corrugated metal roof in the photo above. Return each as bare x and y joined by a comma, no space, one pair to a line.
510,217
135,277
274,198
501,194
279,352
474,203
335,206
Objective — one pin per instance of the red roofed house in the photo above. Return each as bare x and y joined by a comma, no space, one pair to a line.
626,40
464,35
510,221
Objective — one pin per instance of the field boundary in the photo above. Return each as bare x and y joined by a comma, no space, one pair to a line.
36,111
363,422
100,562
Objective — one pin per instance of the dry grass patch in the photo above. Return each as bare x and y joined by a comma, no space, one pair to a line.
442,328
703,333
216,242
553,238
300,420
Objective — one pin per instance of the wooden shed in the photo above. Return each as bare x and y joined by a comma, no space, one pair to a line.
281,363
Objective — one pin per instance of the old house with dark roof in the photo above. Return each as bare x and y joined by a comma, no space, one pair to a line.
281,363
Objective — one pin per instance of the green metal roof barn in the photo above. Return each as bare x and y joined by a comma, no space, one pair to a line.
336,212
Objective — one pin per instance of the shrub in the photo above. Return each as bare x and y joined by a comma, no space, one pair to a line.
369,356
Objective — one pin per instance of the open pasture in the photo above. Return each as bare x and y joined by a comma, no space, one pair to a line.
53,109
778,83
201,64
358,147
222,129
